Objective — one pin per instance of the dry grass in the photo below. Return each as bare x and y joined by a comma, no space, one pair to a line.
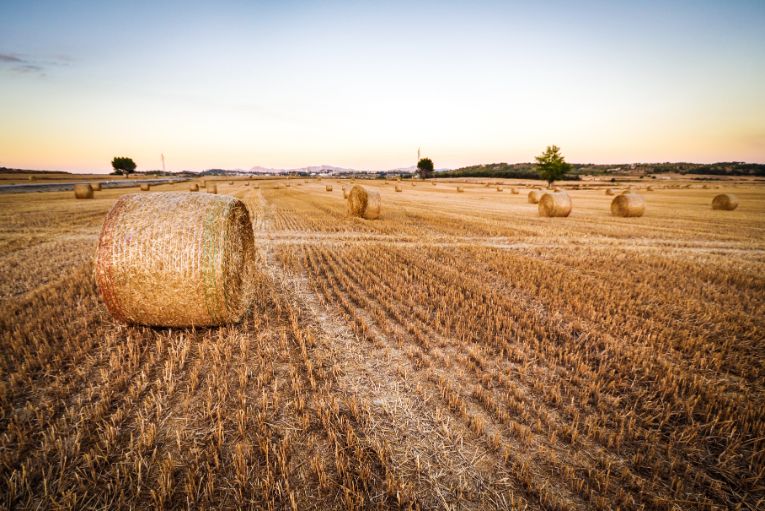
458,352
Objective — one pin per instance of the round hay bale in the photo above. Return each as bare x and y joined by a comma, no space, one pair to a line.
555,204
83,191
248,184
556,189
628,205
328,188
534,196
212,188
610,191
230,182
96,187
499,188
514,191
145,187
363,203
176,260
460,190
193,187
434,183
725,202
649,188
413,185
399,189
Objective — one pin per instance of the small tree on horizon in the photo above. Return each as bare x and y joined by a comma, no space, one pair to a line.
552,165
123,165
425,168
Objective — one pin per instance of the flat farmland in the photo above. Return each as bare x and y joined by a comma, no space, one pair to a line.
459,352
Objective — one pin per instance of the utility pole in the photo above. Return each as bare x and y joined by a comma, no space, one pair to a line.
163,162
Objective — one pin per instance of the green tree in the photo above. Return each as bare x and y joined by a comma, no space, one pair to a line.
123,165
551,164
425,168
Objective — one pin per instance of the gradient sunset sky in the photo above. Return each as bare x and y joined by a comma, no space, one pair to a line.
362,84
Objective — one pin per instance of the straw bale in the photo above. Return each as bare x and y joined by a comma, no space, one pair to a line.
145,187
399,189
610,191
328,188
176,260
628,205
725,201
364,203
499,188
514,191
96,187
83,191
460,190
534,196
193,187
555,204
212,188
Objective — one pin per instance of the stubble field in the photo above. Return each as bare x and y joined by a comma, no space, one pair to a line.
458,353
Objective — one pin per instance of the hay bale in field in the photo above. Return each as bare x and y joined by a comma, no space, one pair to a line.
460,190
556,189
610,191
499,188
555,204
534,196
434,183
328,188
176,260
628,205
248,184
649,188
193,187
399,189
363,203
514,191
83,191
725,202
413,185
96,187
704,187
145,187
230,182
212,188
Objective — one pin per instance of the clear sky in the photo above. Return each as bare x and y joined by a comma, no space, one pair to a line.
362,84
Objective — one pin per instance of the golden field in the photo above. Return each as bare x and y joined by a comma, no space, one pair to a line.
460,352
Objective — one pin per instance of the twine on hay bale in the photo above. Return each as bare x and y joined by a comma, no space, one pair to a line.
96,187
212,188
534,196
725,202
145,187
83,191
193,187
555,204
328,188
363,203
174,259
628,205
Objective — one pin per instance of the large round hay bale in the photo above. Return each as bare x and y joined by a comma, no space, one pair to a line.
212,188
534,196
514,191
193,187
725,201
174,259
363,203
328,188
145,187
83,191
96,187
628,205
399,189
555,204
610,191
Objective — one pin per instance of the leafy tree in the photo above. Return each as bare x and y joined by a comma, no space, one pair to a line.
425,168
123,165
552,165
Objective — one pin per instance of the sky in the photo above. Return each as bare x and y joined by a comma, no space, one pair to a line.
362,84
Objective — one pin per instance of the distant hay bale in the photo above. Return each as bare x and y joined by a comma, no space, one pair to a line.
649,188
398,188
32,178
705,187
328,188
363,203
610,191
555,204
434,183
556,189
212,188
83,191
96,187
176,260
193,187
248,184
145,187
534,196
460,190
514,191
725,202
628,205
499,188
230,182
413,185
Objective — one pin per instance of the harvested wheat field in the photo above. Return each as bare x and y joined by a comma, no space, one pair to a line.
458,352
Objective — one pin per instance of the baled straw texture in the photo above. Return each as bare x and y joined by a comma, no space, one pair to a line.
534,196
96,187
174,259
725,201
499,188
610,191
628,205
398,188
193,187
460,190
145,187
514,191
328,188
83,191
212,188
555,204
363,203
